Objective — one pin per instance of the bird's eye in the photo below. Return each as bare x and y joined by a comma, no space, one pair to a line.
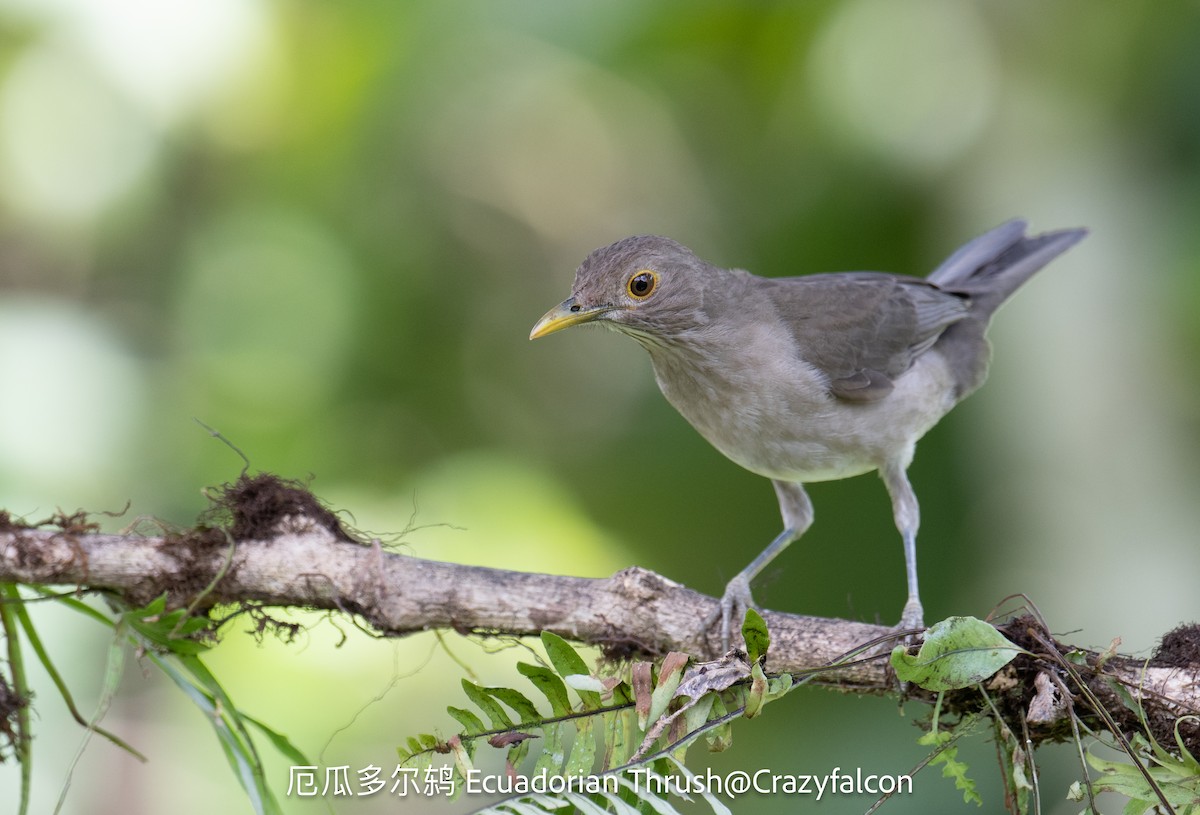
642,284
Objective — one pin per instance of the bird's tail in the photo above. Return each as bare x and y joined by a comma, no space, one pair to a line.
991,267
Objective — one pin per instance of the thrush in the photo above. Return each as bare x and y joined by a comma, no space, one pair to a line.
810,378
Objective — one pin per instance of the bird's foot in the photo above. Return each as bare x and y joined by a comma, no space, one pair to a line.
913,617
909,630
732,609
912,622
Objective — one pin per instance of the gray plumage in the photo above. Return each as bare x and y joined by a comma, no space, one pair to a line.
809,378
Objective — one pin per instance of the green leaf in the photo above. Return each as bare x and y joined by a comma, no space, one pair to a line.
525,710
168,630
471,723
957,652
621,694
664,692
700,712
946,754
755,697
694,718
779,686
35,642
1188,759
77,605
484,701
566,660
552,757
22,739
518,702
754,632
619,742
1122,693
719,738
583,749
546,681
518,752
281,742
227,723
1182,790
1077,657
462,757
953,768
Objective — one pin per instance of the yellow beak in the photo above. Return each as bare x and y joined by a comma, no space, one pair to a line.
564,315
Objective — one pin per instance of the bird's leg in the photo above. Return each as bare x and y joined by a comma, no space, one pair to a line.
797,512
907,513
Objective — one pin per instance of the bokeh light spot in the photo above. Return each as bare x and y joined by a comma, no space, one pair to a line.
71,396
69,145
913,82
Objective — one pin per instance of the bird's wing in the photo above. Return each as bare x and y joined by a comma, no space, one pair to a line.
863,329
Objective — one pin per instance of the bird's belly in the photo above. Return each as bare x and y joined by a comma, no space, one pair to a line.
792,456
787,432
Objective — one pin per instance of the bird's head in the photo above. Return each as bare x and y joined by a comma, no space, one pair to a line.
649,287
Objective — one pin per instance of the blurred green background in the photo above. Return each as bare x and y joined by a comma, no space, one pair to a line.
326,228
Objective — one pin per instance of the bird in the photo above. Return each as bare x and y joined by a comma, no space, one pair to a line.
809,378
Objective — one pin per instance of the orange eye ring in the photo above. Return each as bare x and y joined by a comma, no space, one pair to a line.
642,284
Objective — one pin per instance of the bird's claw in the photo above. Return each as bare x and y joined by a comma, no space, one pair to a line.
912,618
732,609
912,626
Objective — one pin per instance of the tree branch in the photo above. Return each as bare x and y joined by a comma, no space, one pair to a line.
310,562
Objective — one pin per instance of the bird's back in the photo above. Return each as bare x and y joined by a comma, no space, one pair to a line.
865,329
